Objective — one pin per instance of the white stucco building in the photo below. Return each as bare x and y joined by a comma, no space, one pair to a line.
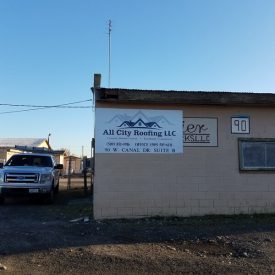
219,156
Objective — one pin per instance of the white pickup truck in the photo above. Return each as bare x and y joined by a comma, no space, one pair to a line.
29,174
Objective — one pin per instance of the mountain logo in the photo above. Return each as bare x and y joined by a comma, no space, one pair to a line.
139,124
139,120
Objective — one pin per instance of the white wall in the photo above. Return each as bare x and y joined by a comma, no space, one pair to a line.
204,180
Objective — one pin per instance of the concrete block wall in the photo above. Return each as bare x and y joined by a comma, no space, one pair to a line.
201,181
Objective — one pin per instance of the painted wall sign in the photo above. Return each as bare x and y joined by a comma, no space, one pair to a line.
200,132
240,125
138,131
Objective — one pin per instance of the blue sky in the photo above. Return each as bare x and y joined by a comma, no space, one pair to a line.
50,50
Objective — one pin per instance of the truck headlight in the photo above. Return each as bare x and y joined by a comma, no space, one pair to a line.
1,177
45,178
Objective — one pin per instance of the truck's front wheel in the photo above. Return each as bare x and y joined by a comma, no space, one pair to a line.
56,189
51,196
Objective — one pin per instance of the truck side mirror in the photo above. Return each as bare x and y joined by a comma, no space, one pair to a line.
1,165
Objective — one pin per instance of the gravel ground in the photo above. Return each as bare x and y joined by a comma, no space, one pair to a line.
55,239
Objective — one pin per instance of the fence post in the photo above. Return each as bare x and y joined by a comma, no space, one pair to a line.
92,165
85,181
69,173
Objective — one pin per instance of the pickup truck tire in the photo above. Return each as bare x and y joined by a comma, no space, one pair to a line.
2,200
51,196
56,189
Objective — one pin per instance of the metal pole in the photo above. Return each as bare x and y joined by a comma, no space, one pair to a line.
85,181
92,164
84,166
109,34
69,173
49,139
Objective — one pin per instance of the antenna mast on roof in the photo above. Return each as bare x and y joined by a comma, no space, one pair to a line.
109,34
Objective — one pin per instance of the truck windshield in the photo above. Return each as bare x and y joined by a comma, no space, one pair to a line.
27,160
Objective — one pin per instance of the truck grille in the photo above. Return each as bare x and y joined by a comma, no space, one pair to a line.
21,177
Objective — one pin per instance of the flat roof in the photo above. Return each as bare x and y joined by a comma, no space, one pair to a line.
183,97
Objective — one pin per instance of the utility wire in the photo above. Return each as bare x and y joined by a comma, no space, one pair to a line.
40,107
44,106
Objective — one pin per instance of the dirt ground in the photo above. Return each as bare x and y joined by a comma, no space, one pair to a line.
54,239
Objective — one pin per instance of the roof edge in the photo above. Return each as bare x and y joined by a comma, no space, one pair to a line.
183,97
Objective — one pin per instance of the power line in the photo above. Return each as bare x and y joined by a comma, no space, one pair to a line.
41,107
44,106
